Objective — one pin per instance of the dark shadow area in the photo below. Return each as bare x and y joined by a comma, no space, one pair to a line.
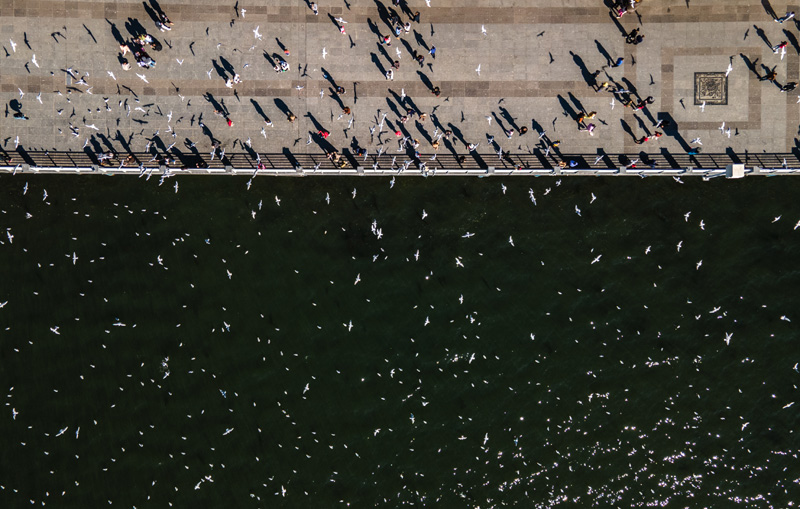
291,158
115,32
602,51
421,40
425,80
508,118
565,106
792,40
259,110
763,36
768,9
618,24
282,106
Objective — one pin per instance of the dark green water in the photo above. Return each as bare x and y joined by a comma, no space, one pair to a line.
557,382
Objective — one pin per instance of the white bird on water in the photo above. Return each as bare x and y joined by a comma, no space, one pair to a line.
74,258
54,330
699,264
596,259
647,250
354,193
424,214
702,225
776,219
511,240
328,198
458,262
227,431
680,244
176,186
577,210
593,198
358,279
797,225
277,200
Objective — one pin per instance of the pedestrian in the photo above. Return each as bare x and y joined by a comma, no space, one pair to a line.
340,90
229,121
396,64
778,47
346,110
407,27
390,74
314,8
416,17
447,134
523,130
789,86
323,133
509,133
631,37
422,117
770,76
20,116
638,40
290,117
618,62
432,51
435,144
385,39
398,30
436,91
785,17
421,60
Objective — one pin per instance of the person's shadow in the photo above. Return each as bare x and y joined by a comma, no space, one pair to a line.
420,40
378,64
768,8
760,32
568,111
603,52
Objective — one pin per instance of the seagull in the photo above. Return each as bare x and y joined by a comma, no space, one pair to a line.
180,62
596,259
14,413
34,62
39,98
209,73
112,75
703,106
776,219
797,225
13,45
722,127
358,279
255,32
530,193
45,195
424,214
647,250
399,53
277,200
511,240
243,11
458,264
730,68
686,216
324,53
54,330
702,225
679,246
489,119
699,264
478,70
349,325
503,188
143,77
483,30
328,198
697,140
25,191
227,431
612,103
467,235
176,186
593,198
577,210
21,93
354,193
74,258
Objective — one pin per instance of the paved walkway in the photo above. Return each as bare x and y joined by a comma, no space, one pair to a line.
533,60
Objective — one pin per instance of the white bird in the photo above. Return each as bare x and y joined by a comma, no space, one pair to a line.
577,210
255,32
305,389
45,195
531,195
728,336
467,235
428,3
228,430
503,188
596,259
686,216
324,53
680,244
283,491
391,183
92,126
33,61
424,214
354,193
349,326
328,198
243,11
21,93
593,198
797,225
14,413
612,103
511,240
16,142
489,119
341,20
647,250
699,264
358,279
209,73
54,330
277,200
399,53
722,128
483,30
697,140
458,264
10,237
25,191
13,45
402,93
176,186
478,70
703,106
143,77
702,225
180,62
62,431
74,258
112,75
783,54
728,132
39,98
728,71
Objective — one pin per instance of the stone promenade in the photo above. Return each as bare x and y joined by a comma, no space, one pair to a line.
535,59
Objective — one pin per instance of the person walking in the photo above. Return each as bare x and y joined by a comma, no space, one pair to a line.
786,17
432,51
314,8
